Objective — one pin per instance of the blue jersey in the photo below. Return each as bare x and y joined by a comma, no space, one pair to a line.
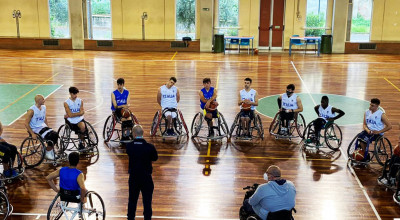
68,178
207,95
120,98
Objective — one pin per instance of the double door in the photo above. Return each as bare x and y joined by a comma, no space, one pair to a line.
271,23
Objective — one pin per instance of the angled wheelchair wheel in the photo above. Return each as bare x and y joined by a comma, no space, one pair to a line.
274,126
352,146
109,127
183,122
258,126
196,124
333,136
309,133
5,207
134,119
300,124
32,151
235,126
64,134
223,125
55,212
156,122
383,150
92,138
94,207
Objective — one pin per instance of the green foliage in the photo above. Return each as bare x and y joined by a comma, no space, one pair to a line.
101,7
58,10
228,13
186,14
314,20
360,25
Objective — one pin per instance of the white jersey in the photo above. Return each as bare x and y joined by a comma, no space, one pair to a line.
74,107
374,120
250,95
289,102
37,120
326,113
168,97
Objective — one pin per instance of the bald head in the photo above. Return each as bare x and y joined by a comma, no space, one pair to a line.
138,131
274,171
39,99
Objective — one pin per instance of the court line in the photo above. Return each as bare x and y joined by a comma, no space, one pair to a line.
12,103
391,84
176,52
345,155
304,84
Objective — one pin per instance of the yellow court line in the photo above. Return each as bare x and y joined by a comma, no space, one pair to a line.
391,84
12,103
209,148
176,52
216,86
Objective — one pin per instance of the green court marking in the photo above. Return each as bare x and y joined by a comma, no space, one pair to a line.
354,108
11,92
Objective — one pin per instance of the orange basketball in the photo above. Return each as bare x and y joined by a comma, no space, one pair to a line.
396,150
246,106
358,155
256,51
125,113
213,105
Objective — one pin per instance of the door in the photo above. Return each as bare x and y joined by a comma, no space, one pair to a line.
271,23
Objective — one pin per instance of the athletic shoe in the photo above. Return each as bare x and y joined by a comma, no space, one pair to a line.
81,146
10,173
396,199
382,181
49,155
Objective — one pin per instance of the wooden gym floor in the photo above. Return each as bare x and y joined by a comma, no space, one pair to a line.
326,187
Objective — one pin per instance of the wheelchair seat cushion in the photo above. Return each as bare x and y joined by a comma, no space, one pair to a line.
70,195
280,215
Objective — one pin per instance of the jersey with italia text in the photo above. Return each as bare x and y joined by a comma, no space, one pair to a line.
168,97
75,107
37,120
250,95
374,120
326,113
289,102
207,95
120,98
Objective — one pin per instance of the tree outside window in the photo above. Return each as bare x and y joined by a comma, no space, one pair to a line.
59,19
185,19
361,20
100,19
228,16
316,17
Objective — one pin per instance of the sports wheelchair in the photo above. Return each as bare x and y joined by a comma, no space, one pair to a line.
391,173
159,124
278,215
33,151
6,208
382,150
19,170
255,125
298,125
68,141
198,128
70,205
112,132
332,135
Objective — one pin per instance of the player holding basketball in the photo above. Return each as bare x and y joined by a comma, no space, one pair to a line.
119,103
36,123
168,97
247,101
289,104
74,112
208,98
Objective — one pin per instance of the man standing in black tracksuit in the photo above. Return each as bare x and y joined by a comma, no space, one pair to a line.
141,155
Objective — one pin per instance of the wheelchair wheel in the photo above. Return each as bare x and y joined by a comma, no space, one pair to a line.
32,151
134,119
109,127
55,212
155,123
300,124
94,207
235,125
183,122
196,124
309,132
274,126
5,207
223,125
352,146
258,126
64,134
92,139
333,136
383,150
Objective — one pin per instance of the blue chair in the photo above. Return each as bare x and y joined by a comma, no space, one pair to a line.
245,42
311,42
233,42
296,42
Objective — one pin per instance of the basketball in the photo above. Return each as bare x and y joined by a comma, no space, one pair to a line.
246,106
256,51
125,113
396,150
213,105
358,155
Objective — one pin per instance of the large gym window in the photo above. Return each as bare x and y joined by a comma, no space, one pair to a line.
59,19
228,17
361,20
316,17
99,19
185,19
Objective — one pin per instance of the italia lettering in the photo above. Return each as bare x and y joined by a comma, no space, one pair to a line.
168,96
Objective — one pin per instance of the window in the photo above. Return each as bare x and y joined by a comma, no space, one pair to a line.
99,19
361,20
228,17
316,17
59,18
185,19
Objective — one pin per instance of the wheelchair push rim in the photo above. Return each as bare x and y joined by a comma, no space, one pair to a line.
32,151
